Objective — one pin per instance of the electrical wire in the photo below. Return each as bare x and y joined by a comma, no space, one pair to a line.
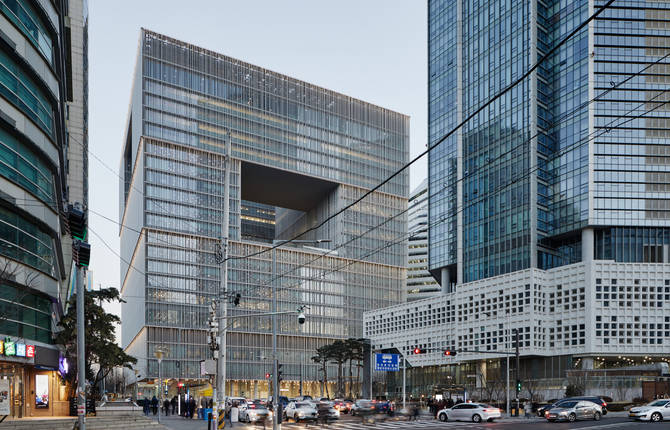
443,138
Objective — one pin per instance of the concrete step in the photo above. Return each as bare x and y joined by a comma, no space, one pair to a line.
92,423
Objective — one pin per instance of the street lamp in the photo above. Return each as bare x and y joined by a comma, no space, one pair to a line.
137,373
275,281
158,353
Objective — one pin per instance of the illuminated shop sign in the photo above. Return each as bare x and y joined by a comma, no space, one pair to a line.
15,349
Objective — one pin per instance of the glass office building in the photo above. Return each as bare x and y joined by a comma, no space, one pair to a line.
299,153
547,209
420,283
574,153
43,105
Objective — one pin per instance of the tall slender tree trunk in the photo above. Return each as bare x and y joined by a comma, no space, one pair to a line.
358,377
325,379
351,377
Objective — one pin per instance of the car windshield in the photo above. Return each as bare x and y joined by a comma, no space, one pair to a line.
303,405
658,403
566,405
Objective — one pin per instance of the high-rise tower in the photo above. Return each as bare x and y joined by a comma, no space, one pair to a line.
548,210
299,154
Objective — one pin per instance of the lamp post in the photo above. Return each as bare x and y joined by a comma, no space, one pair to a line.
158,353
137,373
275,282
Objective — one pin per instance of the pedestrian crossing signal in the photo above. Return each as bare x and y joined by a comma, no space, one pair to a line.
450,352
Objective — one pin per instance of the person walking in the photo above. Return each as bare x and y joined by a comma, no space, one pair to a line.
146,406
191,407
527,409
154,405
173,404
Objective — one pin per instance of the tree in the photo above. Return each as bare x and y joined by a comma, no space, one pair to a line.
338,355
22,280
100,346
355,353
322,356
532,387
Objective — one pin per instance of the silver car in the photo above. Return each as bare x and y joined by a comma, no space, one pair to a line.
475,412
254,411
574,410
656,411
300,411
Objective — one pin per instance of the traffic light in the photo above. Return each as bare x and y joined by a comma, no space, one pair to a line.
76,219
518,385
417,351
81,253
268,375
236,299
280,377
450,352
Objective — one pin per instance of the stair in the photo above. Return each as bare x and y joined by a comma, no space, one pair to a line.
92,423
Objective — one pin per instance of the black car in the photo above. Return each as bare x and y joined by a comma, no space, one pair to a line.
597,400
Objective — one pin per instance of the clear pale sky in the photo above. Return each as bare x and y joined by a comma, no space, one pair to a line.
374,50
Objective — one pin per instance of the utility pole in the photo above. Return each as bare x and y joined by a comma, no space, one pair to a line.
81,351
276,425
516,332
220,382
508,338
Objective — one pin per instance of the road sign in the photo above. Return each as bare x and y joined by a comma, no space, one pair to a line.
387,362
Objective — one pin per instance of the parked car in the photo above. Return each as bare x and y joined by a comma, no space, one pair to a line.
475,412
300,411
597,400
574,410
656,411
362,407
253,411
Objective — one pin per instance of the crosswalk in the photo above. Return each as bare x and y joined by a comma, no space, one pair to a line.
385,425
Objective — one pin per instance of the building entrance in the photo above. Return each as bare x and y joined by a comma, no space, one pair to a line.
14,375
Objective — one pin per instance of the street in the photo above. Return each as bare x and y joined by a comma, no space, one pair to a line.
351,423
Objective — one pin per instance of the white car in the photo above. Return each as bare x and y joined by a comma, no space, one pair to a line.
253,411
656,411
300,411
475,412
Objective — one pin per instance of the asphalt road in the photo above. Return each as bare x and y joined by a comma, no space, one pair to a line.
354,423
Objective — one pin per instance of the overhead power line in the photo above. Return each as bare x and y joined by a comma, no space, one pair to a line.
443,138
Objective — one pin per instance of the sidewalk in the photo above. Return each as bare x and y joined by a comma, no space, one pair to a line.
176,422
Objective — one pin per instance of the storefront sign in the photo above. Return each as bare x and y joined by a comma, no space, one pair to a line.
12,349
5,399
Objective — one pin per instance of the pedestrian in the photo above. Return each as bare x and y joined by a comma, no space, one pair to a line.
415,411
145,406
322,413
154,405
226,414
191,407
173,404
527,409
166,407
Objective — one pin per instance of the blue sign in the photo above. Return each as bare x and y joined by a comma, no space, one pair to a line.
387,362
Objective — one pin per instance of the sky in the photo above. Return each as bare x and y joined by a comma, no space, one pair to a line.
373,50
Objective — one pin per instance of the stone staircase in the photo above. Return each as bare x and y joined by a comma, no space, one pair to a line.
116,421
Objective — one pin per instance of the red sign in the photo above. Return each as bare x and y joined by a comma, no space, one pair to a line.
30,350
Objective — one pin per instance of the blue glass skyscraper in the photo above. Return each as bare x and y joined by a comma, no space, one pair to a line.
570,164
548,210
